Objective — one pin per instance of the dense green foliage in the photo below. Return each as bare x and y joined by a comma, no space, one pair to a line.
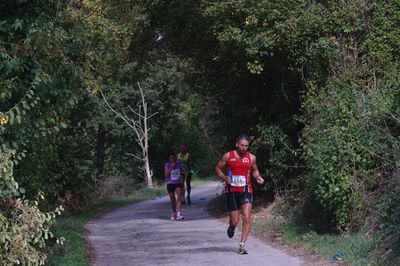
44,71
315,83
24,229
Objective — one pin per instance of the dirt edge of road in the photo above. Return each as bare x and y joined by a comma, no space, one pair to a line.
216,208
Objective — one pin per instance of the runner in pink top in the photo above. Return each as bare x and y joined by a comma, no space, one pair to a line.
173,177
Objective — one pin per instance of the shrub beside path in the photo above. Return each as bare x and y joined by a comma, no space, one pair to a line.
142,234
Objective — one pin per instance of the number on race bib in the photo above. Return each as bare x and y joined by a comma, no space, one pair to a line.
175,174
238,181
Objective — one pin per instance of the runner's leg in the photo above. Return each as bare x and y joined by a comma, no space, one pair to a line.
183,190
233,208
189,187
234,218
172,201
179,215
246,217
179,198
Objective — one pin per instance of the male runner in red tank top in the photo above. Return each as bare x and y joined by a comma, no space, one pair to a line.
241,166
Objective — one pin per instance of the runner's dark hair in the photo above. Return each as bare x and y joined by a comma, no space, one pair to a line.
171,154
243,136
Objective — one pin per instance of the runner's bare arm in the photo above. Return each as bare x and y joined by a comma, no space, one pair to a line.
254,170
220,166
168,170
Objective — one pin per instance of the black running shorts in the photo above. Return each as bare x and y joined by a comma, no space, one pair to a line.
236,199
172,187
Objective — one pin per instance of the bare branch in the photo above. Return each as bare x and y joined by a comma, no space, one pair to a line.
135,112
395,118
150,116
112,109
140,127
134,155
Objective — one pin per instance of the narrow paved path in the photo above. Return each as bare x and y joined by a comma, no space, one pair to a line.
142,234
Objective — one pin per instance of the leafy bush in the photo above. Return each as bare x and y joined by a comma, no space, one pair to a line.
348,135
24,229
281,162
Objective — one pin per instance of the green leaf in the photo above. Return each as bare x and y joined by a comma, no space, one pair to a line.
17,25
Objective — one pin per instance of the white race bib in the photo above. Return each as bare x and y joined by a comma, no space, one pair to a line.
238,181
175,174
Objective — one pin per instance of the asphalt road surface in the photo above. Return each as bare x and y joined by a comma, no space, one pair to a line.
142,234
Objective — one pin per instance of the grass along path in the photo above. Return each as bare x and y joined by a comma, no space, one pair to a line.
352,249
314,249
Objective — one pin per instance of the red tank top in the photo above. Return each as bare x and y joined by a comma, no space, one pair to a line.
240,169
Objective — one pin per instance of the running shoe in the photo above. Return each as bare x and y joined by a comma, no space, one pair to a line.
230,231
189,201
242,250
173,216
179,216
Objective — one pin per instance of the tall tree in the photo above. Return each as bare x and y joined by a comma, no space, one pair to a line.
138,121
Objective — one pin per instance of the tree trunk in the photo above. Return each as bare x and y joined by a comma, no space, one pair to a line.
145,149
148,173
140,126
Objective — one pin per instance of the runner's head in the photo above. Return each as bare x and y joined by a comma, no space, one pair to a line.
171,158
242,143
182,148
